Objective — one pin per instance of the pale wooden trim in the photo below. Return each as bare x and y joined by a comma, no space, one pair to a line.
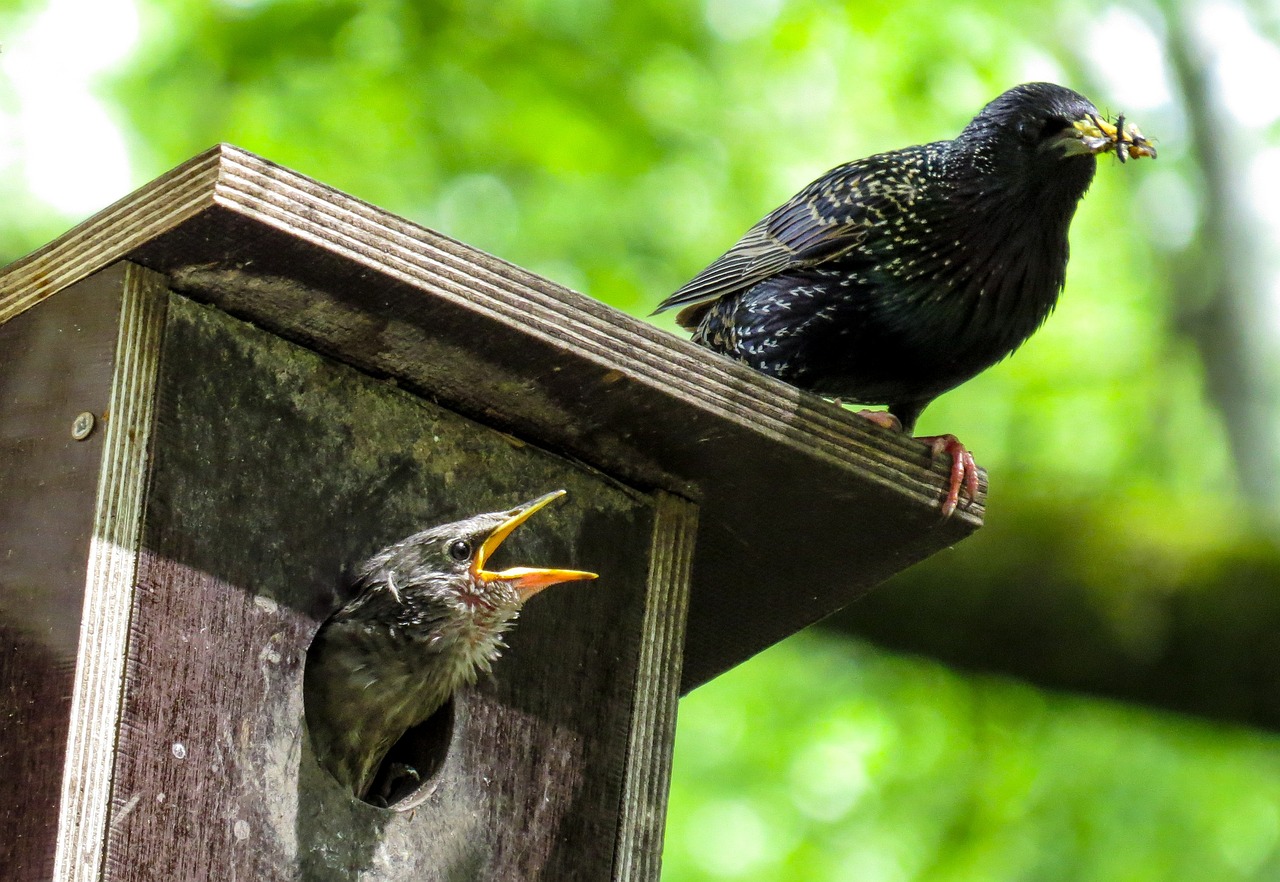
110,584
653,715
109,235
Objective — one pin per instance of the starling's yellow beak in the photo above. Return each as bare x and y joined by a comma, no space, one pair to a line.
526,580
1094,135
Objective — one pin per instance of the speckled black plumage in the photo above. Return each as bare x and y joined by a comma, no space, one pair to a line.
892,279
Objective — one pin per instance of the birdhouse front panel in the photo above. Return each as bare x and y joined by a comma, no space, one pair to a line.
274,470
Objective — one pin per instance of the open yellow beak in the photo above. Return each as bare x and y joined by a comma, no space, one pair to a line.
527,580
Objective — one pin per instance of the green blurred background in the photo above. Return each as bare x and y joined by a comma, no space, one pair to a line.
1088,688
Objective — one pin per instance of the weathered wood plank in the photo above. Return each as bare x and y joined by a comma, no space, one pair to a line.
55,362
109,581
653,725
109,235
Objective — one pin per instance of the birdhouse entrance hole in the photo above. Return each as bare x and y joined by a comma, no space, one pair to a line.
406,777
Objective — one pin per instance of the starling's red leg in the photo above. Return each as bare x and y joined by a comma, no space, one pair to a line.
964,471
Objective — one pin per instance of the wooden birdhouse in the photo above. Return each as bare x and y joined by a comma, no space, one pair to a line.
228,387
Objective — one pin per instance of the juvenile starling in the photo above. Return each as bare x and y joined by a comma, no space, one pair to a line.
892,279
427,618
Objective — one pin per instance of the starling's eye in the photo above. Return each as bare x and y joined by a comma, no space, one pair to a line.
1052,126
1034,131
460,550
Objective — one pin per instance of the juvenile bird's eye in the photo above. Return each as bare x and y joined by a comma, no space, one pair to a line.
460,550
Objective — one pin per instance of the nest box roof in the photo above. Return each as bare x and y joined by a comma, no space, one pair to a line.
803,506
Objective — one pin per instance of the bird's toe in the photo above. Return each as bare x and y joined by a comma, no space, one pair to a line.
964,471
882,418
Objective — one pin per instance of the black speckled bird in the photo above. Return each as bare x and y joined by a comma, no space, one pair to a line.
427,618
892,279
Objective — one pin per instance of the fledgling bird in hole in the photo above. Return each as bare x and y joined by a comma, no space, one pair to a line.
892,279
427,618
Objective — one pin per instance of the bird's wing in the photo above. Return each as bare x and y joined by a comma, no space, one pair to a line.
822,221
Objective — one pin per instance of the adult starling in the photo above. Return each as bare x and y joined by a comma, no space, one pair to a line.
892,279
427,618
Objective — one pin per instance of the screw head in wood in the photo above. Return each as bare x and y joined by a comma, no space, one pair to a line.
82,427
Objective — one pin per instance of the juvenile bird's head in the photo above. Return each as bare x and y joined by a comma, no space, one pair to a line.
435,586
428,615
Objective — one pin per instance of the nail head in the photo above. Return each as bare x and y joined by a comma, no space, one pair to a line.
82,427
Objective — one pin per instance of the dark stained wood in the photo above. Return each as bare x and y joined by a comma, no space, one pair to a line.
773,470
274,469
55,362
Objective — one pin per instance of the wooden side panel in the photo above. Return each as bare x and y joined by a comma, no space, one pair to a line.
55,362
109,580
275,468
653,725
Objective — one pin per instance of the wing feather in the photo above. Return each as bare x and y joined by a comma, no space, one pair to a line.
822,221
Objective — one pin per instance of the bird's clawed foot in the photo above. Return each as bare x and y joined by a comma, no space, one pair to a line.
964,471
395,781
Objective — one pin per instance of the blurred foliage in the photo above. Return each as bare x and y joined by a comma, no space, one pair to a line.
617,148
1175,612
825,760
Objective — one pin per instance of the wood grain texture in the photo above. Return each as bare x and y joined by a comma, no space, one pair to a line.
109,235
653,712
109,581
274,469
769,465
55,362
